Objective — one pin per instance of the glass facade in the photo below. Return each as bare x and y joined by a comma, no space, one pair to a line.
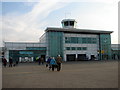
55,43
105,46
80,40
15,54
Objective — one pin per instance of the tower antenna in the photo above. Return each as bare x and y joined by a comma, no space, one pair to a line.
67,14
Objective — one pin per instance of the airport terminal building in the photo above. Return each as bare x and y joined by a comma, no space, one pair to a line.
71,43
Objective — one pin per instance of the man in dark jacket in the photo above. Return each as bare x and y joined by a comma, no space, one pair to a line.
59,61
10,62
4,62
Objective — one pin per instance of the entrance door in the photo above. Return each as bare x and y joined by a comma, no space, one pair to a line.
70,57
92,57
81,57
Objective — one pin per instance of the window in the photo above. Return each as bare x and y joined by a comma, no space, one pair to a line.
71,23
84,40
67,48
73,48
94,40
67,39
66,23
84,48
89,40
79,40
78,48
74,40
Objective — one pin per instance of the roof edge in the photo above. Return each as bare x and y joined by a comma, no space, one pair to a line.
75,30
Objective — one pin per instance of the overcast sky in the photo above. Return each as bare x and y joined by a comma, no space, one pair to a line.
26,21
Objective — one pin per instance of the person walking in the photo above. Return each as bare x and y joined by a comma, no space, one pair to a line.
10,62
42,60
14,62
59,61
17,61
48,63
39,61
4,62
53,63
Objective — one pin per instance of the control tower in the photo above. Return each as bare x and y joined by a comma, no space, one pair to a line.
69,23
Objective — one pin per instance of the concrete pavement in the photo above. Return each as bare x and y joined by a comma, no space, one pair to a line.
82,74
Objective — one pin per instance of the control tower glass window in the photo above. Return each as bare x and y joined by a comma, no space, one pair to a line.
66,23
71,23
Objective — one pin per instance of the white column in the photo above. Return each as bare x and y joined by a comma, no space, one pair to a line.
19,59
65,57
76,57
7,55
32,59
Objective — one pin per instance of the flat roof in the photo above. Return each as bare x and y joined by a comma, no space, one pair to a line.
6,42
115,46
74,30
22,42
